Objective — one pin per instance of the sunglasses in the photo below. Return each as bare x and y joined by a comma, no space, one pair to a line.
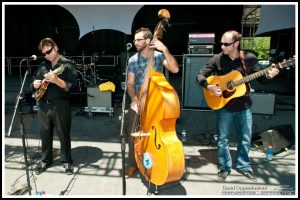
226,44
47,52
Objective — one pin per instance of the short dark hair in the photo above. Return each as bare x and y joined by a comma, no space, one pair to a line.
46,42
146,31
236,36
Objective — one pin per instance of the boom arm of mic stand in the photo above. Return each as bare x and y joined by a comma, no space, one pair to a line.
18,98
17,104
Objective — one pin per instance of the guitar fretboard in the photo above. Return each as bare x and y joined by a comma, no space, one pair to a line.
255,75
252,76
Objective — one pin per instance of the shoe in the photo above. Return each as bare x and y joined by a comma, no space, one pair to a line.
41,167
249,175
130,171
222,174
68,168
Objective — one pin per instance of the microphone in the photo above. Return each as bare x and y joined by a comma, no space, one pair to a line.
33,57
129,46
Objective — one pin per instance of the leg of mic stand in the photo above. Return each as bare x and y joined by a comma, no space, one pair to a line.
122,134
80,97
22,130
25,153
123,144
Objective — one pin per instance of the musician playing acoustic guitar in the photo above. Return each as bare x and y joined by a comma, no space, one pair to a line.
237,110
53,79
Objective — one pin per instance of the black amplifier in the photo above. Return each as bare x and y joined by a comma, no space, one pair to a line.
201,49
201,38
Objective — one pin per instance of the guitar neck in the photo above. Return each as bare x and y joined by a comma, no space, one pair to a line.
43,87
253,76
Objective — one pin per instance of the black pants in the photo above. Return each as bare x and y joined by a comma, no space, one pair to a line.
56,114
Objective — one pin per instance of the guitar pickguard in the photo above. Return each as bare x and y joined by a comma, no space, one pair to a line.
227,94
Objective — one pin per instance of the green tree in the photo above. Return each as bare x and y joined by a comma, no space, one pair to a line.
261,45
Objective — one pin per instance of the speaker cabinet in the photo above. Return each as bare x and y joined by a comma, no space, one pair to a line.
192,94
263,103
97,98
279,137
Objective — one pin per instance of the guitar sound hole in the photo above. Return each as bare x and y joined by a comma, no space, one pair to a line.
230,86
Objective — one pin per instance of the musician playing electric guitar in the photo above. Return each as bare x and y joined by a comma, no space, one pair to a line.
236,110
53,79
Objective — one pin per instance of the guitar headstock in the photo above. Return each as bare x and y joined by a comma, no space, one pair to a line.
287,63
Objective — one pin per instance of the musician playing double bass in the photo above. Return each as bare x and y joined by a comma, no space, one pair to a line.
53,80
144,42
237,110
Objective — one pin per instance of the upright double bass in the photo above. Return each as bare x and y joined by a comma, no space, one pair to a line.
158,151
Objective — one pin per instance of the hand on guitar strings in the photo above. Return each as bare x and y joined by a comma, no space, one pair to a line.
135,105
37,84
216,90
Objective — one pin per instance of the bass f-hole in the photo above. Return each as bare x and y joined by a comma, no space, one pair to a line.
155,138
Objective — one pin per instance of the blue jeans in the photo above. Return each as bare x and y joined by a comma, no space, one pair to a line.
243,125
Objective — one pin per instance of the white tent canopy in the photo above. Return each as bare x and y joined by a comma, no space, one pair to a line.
97,17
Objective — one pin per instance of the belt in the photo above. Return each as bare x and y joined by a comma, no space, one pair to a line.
52,101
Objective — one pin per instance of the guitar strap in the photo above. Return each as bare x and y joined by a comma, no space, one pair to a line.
242,55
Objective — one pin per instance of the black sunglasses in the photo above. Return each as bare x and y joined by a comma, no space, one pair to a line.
47,52
226,44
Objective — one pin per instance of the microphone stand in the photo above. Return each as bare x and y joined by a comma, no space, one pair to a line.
123,142
22,129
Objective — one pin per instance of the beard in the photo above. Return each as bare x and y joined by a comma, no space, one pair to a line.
141,48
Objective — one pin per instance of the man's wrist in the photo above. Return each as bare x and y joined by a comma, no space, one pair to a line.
268,76
134,98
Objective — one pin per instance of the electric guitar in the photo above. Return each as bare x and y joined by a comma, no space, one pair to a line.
42,89
234,85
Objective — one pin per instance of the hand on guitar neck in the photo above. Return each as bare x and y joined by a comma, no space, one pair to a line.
272,72
51,77
42,85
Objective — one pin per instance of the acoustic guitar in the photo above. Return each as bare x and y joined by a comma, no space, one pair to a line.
234,85
42,89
